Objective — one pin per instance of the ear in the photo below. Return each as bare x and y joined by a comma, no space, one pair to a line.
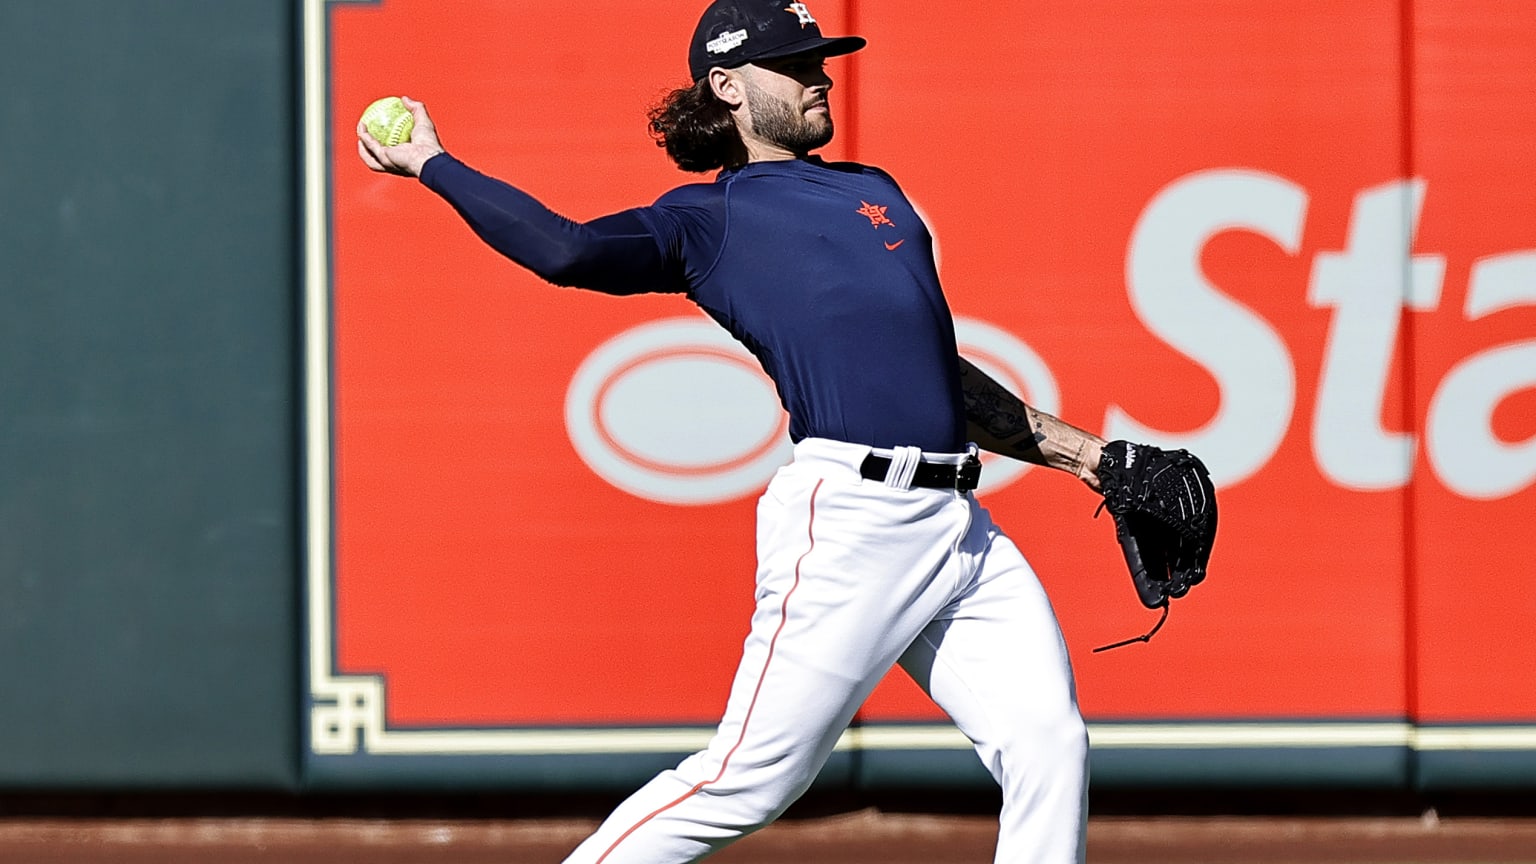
726,85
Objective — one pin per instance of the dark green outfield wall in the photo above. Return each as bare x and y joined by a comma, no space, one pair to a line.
148,318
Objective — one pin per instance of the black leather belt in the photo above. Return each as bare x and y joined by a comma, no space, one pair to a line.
930,475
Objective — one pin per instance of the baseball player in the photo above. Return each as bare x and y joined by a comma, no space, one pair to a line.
872,550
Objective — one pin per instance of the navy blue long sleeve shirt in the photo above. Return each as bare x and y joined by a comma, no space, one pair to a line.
824,271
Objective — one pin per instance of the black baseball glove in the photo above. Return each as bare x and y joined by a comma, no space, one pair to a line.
1164,508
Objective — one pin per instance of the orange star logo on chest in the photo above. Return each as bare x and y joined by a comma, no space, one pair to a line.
876,214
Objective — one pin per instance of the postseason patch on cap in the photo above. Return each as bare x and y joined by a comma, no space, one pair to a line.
726,42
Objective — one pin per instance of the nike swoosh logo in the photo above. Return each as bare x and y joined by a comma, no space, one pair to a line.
891,247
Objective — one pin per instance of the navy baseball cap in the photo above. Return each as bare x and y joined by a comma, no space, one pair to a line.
736,32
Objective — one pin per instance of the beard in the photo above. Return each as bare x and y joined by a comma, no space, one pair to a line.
778,122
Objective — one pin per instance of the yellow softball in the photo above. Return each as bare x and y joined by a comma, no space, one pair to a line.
389,121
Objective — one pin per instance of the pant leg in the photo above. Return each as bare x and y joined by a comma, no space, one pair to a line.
849,574
995,661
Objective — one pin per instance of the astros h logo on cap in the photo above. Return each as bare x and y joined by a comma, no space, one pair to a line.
733,33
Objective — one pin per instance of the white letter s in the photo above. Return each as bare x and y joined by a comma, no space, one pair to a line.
1175,301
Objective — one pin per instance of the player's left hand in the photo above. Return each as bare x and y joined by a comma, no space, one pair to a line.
404,159
1164,507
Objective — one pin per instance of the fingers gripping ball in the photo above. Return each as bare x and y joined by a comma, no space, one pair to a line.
389,121
1164,508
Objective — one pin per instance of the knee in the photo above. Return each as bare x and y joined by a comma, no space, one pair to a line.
1057,743
1071,736
749,793
750,808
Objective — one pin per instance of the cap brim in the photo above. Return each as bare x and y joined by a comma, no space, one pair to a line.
820,45
826,46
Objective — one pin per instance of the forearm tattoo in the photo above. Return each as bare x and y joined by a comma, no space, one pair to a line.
1005,424
998,413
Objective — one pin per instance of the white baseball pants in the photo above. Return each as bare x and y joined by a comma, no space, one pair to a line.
853,576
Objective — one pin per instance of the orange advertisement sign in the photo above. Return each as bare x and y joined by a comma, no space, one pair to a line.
1298,239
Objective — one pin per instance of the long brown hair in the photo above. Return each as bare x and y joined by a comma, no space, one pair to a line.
696,129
